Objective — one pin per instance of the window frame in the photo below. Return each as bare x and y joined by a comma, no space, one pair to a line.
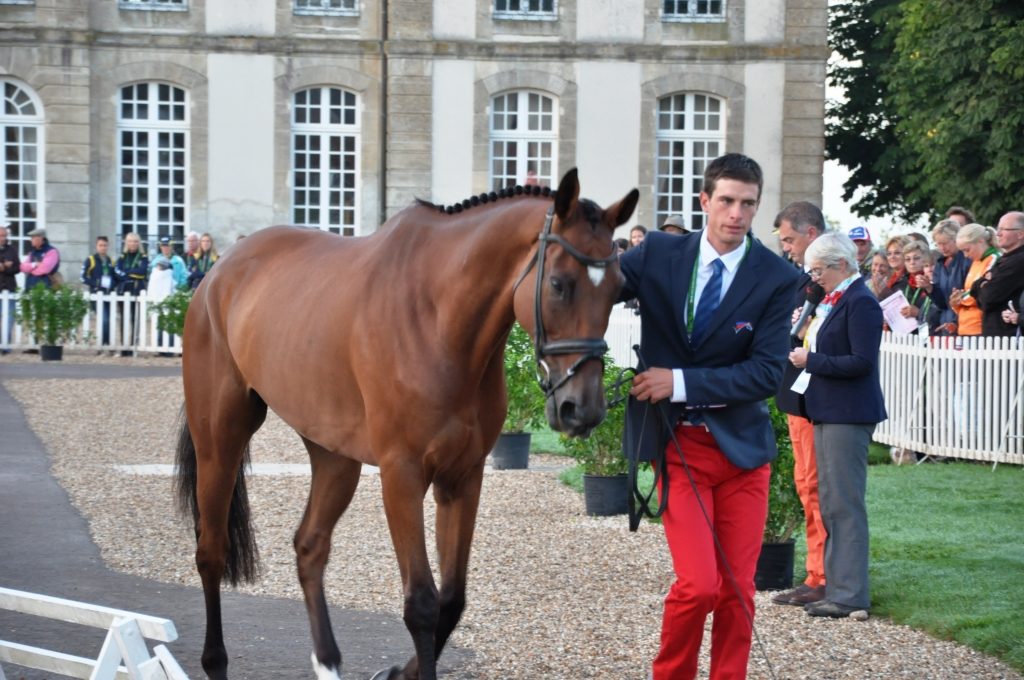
324,131
692,16
154,5
689,135
326,11
37,121
525,14
17,2
523,137
153,126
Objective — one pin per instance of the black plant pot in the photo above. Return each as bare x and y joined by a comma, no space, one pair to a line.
604,496
511,452
51,352
775,566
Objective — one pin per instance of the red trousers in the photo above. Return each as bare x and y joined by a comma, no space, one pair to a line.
736,501
805,474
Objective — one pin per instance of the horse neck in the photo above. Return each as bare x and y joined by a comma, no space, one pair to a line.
491,253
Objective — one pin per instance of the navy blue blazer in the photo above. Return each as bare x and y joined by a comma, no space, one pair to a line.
737,364
787,400
845,386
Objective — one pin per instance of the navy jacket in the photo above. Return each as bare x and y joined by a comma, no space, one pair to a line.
739,361
845,386
787,400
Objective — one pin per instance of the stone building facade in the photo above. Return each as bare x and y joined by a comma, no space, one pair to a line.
167,116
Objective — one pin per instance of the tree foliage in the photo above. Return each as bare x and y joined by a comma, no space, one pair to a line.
934,109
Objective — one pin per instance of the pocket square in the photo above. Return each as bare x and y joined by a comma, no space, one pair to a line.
742,326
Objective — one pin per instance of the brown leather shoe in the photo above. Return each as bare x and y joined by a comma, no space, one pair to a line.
801,595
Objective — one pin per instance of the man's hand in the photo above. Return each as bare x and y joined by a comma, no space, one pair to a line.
652,385
798,357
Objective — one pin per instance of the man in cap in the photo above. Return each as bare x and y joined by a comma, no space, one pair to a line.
861,238
674,224
42,263
168,259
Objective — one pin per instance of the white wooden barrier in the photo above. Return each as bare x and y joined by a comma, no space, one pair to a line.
124,643
959,397
112,309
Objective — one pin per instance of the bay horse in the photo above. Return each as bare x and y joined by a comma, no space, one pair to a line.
388,350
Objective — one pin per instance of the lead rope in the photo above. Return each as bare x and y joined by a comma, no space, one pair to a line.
660,467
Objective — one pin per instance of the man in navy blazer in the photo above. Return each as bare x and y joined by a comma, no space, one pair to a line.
715,309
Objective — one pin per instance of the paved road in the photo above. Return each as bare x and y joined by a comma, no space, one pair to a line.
45,547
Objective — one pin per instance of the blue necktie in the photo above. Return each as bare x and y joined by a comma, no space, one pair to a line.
708,303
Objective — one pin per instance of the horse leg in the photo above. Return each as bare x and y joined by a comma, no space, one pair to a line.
456,519
334,482
221,422
404,487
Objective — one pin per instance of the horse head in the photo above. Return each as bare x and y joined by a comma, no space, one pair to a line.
577,280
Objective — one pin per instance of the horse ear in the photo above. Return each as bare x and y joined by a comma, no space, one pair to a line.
620,213
568,194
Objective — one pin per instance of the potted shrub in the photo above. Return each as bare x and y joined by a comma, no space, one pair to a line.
785,514
605,487
525,403
53,316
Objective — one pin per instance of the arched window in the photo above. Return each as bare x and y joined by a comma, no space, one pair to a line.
153,149
22,169
524,137
325,159
690,133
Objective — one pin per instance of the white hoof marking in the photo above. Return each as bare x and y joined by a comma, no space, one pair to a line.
322,671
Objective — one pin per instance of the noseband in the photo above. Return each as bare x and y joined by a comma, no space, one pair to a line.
587,348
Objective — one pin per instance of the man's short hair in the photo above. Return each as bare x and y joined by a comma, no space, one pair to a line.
733,166
960,210
802,215
102,238
642,229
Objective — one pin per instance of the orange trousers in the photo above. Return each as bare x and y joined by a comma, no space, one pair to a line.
805,473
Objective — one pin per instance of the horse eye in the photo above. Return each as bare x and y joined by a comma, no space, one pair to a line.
557,285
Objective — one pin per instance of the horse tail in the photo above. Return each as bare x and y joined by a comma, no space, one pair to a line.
242,560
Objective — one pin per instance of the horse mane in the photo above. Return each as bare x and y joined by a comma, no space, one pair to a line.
488,197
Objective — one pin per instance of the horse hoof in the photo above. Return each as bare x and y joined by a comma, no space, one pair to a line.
387,674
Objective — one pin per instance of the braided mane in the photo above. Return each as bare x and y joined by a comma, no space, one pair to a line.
487,197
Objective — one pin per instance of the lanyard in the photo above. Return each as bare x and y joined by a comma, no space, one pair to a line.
692,293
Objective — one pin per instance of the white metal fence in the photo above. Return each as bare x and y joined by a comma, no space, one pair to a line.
116,323
958,397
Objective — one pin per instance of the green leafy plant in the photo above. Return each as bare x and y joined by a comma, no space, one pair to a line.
53,315
785,512
171,311
525,399
601,452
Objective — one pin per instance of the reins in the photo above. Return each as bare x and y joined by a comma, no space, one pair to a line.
660,466
587,348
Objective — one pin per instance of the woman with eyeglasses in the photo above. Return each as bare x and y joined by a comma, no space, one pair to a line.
894,256
916,257
977,243
843,397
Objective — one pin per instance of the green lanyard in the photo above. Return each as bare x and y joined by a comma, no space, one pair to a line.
692,293
917,293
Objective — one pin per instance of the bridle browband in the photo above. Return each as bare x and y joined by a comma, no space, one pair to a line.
587,348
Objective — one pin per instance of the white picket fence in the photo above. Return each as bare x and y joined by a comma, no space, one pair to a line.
123,656
958,397
112,309
954,397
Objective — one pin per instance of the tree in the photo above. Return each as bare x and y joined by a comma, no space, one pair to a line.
934,114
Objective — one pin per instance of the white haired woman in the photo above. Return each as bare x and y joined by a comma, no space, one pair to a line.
844,400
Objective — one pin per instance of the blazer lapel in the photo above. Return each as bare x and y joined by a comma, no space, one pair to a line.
743,283
683,261
853,290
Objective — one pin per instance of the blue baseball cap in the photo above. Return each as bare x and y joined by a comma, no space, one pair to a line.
859,234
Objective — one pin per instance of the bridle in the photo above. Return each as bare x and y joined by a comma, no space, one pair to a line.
587,348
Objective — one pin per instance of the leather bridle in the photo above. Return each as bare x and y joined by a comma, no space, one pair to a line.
587,348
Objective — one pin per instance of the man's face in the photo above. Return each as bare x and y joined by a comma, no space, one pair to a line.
962,219
37,241
636,237
730,212
794,244
101,247
165,249
1009,234
191,243
863,248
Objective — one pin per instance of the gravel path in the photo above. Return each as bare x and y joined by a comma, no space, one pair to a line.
552,593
